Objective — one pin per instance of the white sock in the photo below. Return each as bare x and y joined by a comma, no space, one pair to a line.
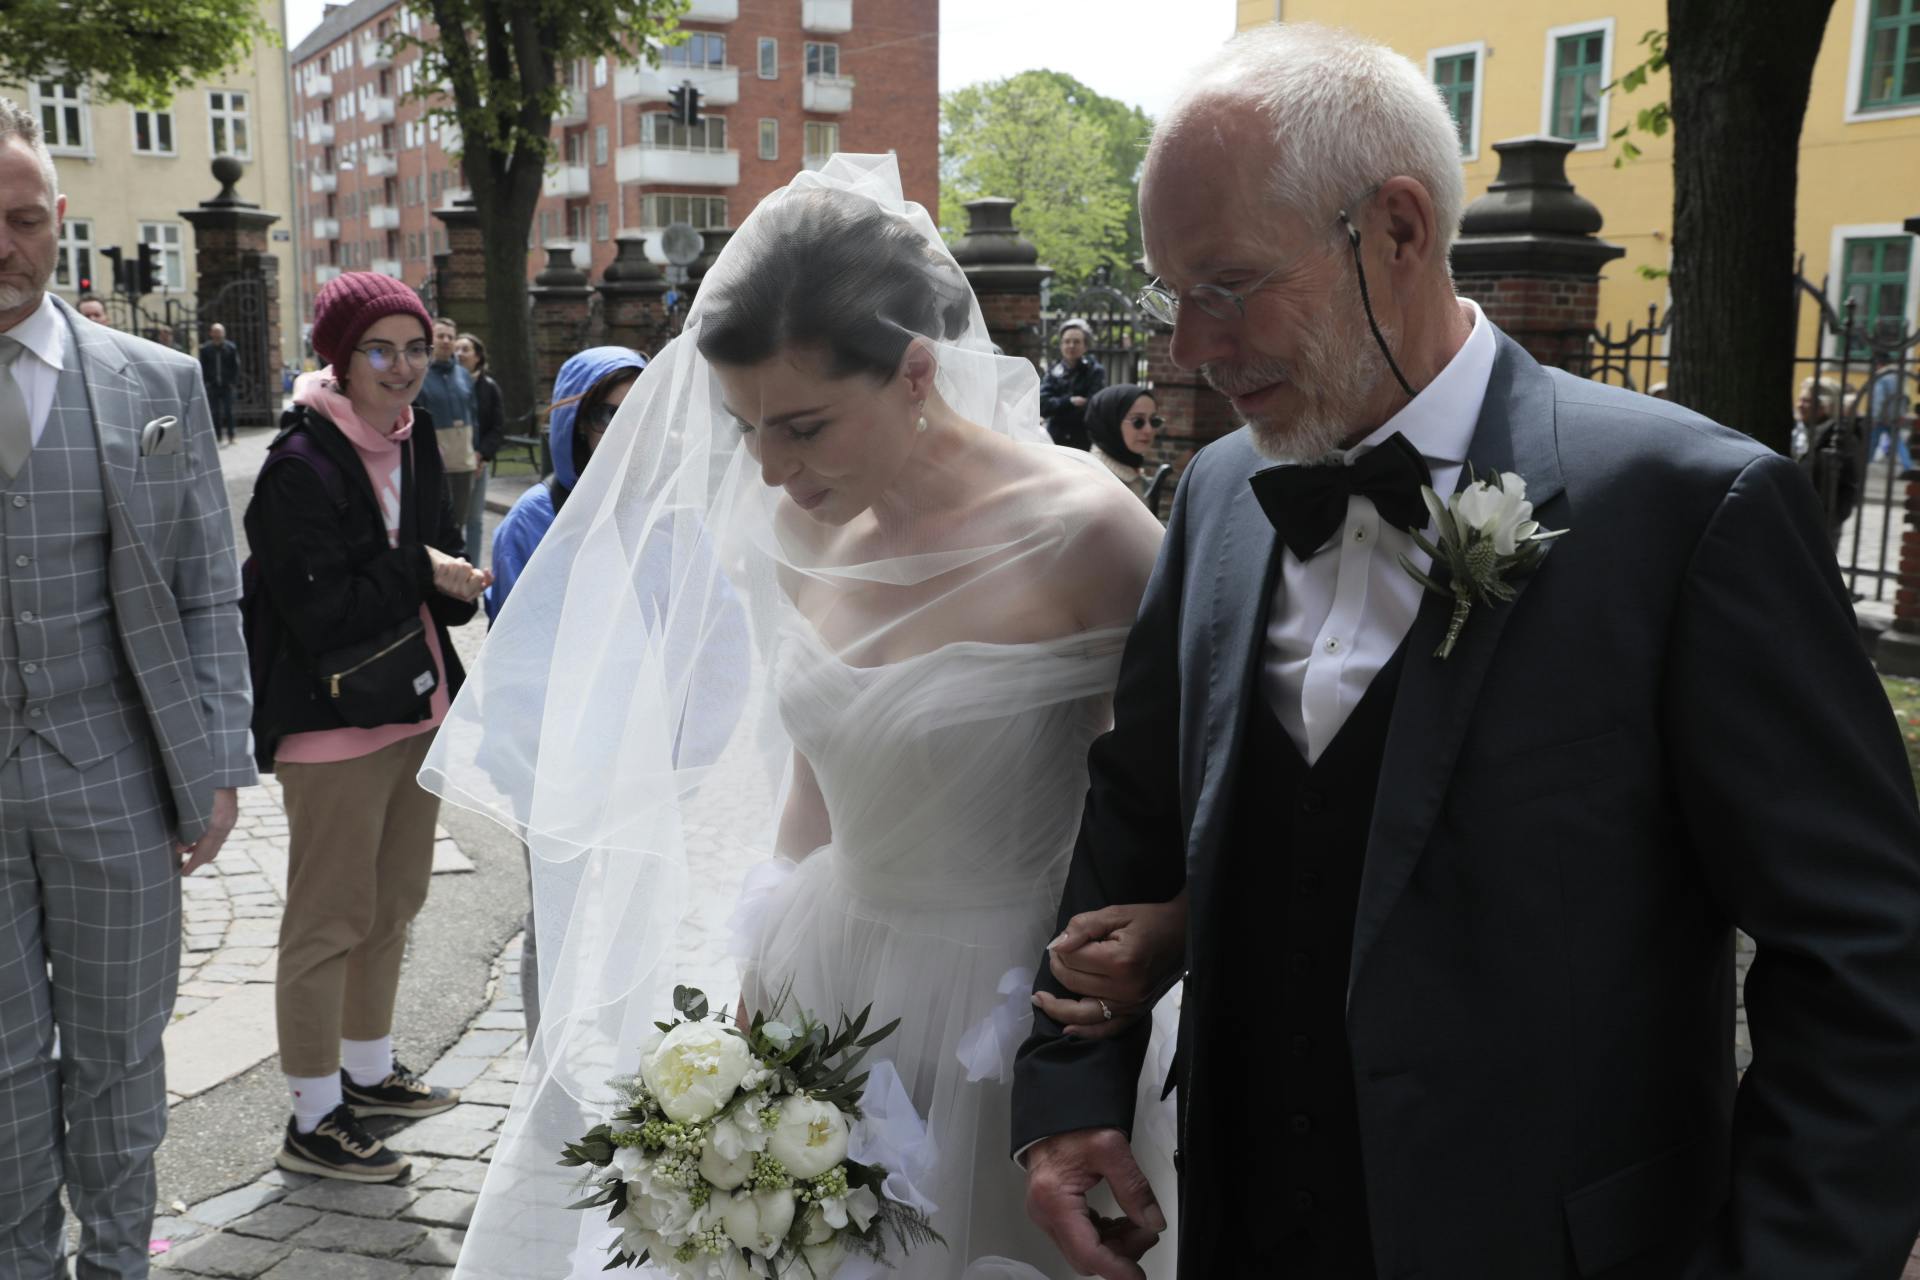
313,1098
368,1062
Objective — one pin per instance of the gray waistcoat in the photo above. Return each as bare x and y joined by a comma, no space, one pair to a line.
62,675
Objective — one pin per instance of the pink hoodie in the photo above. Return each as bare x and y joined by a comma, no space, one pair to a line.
381,455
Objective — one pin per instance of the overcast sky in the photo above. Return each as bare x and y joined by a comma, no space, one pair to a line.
1133,50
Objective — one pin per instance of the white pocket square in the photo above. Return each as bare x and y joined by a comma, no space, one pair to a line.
160,437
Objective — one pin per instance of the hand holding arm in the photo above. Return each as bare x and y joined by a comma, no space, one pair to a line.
1121,960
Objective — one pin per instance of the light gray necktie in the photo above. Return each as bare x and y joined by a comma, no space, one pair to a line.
16,425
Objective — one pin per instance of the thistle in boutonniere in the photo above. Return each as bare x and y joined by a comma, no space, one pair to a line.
1487,537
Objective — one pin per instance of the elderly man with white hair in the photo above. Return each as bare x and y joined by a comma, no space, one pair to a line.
1464,822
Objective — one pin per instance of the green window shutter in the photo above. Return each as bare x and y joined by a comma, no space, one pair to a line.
1890,76
1874,275
1458,81
1577,76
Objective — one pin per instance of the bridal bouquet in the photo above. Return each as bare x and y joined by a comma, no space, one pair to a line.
736,1152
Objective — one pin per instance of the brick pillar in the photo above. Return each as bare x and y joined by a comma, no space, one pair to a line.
237,284
460,274
633,298
562,306
1196,414
1529,254
1004,269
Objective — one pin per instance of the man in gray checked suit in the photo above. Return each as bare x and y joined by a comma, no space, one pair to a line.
124,707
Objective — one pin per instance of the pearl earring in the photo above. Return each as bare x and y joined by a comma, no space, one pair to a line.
922,424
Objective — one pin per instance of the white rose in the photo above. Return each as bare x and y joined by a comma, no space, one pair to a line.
724,1173
695,1070
811,1137
760,1221
1498,514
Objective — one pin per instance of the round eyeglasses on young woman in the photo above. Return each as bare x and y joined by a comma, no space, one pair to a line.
383,357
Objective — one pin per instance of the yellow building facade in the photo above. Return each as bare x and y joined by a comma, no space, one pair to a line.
127,174
1514,70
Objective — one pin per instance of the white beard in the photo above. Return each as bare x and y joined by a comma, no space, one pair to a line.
13,297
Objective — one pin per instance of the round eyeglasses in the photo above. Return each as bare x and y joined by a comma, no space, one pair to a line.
384,357
1163,304
1141,420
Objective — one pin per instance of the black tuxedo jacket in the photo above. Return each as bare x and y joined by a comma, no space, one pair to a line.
1672,732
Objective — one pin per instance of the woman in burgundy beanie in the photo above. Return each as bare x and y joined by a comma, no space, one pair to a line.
361,564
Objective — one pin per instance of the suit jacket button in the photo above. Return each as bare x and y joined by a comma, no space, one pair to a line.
1311,800
1297,962
1303,1200
1300,1046
1299,1125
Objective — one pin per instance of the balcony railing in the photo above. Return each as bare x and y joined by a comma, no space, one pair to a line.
677,166
318,85
826,17
718,86
324,183
326,228
382,164
323,274
573,108
379,111
374,55
569,182
712,11
383,217
387,267
831,94
321,134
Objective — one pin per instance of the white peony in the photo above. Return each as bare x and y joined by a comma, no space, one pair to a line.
724,1173
740,1132
1499,514
759,1220
811,1137
695,1070
662,1209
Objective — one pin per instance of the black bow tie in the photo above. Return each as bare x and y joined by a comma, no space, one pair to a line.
1307,504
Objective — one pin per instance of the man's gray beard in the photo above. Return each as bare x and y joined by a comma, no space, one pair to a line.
1339,369
13,297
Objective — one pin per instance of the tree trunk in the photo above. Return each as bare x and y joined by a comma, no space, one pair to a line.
506,216
1741,81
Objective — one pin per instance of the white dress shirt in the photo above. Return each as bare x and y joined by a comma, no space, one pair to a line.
1338,617
37,371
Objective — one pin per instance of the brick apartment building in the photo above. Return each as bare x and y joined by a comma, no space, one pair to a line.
784,84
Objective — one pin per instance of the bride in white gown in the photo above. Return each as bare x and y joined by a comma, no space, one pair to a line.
834,455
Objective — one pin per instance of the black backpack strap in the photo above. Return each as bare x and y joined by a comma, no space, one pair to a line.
297,442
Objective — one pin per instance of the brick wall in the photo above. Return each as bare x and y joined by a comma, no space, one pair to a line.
1196,415
1547,315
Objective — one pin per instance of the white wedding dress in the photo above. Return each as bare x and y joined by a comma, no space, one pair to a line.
954,781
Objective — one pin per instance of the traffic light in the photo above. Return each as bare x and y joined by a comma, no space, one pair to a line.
686,104
114,255
147,276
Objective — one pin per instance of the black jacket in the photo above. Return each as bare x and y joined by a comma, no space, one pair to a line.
220,365
330,575
1066,421
490,417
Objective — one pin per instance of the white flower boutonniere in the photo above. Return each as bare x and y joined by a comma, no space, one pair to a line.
1487,536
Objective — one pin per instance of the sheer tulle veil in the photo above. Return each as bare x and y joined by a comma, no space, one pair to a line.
621,719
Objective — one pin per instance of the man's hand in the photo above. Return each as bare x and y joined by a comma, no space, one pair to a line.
1078,402
1121,959
1061,1170
226,812
455,577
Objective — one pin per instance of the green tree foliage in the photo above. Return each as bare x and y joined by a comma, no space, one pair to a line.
1068,155
492,72
138,51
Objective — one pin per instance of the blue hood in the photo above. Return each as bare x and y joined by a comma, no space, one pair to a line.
578,374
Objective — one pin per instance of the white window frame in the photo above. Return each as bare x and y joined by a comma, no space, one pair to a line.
823,126
601,223
244,116
153,127
173,252
1850,111
765,152
79,99
1837,271
76,234
760,57
602,148
1478,49
1554,36
600,72
821,44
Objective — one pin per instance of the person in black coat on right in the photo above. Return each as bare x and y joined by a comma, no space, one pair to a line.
1072,381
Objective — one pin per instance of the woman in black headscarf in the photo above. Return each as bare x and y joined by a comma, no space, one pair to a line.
1123,425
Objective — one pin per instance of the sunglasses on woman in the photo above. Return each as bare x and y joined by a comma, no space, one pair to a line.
598,418
1141,420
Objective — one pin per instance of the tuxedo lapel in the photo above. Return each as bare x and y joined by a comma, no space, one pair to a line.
1437,697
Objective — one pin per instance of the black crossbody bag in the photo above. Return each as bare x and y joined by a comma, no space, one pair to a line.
388,678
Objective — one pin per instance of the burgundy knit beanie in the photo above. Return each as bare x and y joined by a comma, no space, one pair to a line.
349,304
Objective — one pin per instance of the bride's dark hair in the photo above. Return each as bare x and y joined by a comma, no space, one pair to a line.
835,272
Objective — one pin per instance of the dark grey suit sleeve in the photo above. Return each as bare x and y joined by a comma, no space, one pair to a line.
1131,848
1792,779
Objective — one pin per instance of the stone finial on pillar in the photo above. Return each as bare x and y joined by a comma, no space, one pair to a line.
237,285
460,274
1003,267
1529,251
562,308
632,297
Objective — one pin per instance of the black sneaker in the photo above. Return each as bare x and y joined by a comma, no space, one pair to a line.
402,1093
340,1147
